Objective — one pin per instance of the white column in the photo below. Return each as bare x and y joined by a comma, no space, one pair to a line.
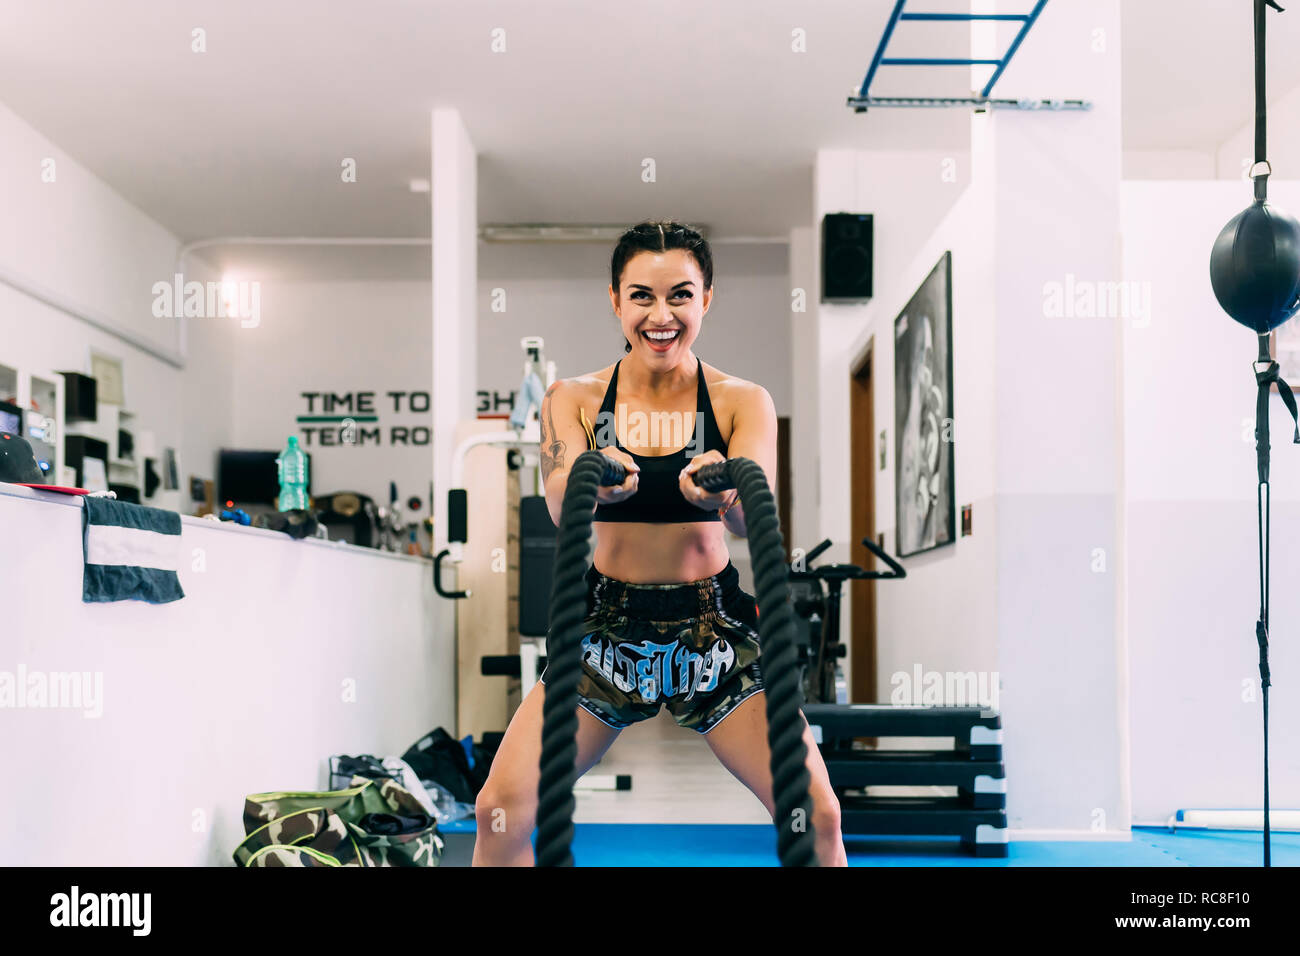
454,211
804,420
835,189
1059,440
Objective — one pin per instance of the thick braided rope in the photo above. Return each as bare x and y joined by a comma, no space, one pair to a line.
795,838
795,835
564,663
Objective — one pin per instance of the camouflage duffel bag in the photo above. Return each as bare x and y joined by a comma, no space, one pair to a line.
371,823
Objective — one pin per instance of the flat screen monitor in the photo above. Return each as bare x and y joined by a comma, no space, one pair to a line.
11,419
251,477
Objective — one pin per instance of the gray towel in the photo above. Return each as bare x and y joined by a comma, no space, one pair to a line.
131,552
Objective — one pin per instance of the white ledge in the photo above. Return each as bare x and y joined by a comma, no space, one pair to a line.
230,527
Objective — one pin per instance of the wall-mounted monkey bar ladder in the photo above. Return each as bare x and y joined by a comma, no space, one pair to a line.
863,99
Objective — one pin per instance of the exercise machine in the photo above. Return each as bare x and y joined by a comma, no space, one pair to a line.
536,537
972,765
818,601
523,437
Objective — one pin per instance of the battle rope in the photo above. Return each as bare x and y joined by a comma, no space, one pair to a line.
563,660
795,835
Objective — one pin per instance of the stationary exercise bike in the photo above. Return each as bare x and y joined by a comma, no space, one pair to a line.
816,594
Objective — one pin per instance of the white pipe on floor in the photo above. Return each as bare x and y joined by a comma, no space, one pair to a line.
1233,820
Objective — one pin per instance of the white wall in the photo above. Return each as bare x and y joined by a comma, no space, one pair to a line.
237,688
1231,157
1189,555
1036,448
909,194
915,616
805,424
1059,453
1193,592
339,337
918,214
250,683
78,236
560,292
79,239
357,336
1169,164
1237,151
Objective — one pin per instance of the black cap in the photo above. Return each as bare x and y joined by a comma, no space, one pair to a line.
17,463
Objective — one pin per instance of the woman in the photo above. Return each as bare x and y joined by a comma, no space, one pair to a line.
668,624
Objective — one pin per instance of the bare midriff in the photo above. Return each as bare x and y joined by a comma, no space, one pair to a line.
644,553
659,553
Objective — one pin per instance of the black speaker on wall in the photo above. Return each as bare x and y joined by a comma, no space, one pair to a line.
80,398
846,257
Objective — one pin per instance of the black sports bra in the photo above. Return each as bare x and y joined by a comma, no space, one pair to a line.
658,498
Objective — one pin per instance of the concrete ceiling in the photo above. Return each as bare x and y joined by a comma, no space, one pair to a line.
247,138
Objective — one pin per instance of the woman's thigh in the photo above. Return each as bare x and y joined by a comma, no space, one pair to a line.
516,767
740,744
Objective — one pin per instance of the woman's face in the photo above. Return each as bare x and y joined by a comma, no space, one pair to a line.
661,303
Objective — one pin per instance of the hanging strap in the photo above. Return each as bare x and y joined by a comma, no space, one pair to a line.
1265,378
1263,503
1261,106
1266,375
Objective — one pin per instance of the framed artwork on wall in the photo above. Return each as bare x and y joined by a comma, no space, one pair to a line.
110,385
924,499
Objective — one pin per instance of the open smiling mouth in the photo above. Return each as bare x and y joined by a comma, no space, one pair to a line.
661,341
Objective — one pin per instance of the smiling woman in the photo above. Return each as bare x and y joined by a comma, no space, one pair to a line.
667,624
660,237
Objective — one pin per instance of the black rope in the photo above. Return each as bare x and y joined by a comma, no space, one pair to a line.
796,838
564,663
1265,378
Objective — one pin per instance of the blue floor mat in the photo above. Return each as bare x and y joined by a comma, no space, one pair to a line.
653,844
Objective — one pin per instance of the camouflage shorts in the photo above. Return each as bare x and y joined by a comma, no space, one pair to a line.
693,648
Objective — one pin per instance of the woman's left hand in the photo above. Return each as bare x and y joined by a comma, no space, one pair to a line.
696,495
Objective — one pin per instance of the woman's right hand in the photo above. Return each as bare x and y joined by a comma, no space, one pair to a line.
613,494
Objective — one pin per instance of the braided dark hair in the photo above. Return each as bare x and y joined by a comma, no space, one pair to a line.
660,235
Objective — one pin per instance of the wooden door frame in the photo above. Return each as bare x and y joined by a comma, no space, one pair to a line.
783,480
862,524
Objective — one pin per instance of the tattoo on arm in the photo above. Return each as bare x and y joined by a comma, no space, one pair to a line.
551,448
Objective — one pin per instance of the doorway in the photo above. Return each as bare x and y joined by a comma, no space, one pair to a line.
864,461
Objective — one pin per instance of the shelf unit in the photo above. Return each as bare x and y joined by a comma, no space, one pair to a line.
39,393
109,420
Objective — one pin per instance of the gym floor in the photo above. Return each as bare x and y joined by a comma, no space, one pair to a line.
689,811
